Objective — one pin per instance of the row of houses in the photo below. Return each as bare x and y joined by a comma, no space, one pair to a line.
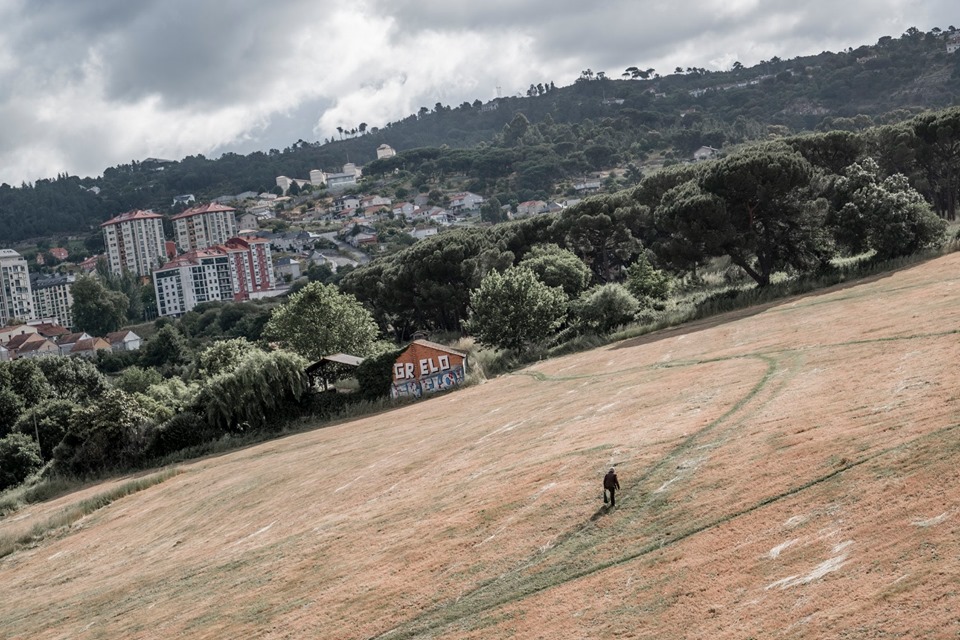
44,338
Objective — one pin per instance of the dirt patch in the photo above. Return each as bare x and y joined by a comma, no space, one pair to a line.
788,472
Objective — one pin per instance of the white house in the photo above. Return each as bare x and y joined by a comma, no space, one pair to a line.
531,207
405,209
704,153
385,151
424,232
288,267
124,340
465,201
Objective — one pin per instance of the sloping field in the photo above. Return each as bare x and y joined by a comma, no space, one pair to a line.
791,471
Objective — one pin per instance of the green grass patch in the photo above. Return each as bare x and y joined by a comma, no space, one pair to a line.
68,515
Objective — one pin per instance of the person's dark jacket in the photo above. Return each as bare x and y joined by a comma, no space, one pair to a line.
610,481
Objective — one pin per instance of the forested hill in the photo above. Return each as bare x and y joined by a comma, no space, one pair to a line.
610,118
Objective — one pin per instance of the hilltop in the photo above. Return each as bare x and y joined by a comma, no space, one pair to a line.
611,120
789,470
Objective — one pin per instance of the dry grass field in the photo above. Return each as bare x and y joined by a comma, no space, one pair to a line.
789,471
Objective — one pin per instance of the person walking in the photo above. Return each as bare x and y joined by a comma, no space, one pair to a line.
611,484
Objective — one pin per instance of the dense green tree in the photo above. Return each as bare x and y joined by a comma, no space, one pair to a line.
11,408
937,137
605,307
556,267
514,310
491,211
831,151
319,320
47,423
167,349
255,393
885,215
25,378
104,435
19,457
75,379
646,282
96,309
599,231
755,207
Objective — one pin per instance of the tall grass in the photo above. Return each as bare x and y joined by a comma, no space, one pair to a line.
70,514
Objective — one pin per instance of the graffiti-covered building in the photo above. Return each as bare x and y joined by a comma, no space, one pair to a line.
425,367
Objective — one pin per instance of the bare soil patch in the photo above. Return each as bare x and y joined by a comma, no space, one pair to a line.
790,471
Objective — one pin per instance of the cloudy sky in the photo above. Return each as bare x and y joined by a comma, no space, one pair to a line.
87,85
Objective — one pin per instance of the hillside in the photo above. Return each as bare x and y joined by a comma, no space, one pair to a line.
621,120
788,471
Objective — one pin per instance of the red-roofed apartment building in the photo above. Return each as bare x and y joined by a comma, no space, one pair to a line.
134,242
238,270
251,265
205,226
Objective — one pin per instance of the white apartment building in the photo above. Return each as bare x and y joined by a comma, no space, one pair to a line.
52,298
134,242
188,280
16,297
240,269
205,226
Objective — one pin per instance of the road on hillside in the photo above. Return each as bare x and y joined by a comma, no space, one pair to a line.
345,248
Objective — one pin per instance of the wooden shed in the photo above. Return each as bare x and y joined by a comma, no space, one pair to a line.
426,367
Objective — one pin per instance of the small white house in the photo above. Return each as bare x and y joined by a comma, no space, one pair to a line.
704,153
124,340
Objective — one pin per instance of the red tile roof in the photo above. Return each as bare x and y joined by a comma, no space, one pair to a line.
212,207
193,257
16,342
136,214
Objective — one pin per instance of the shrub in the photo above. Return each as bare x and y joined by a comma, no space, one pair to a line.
258,391
11,407
325,404
19,457
47,421
646,282
375,375
514,310
605,308
107,434
183,430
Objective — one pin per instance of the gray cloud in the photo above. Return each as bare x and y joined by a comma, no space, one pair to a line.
85,85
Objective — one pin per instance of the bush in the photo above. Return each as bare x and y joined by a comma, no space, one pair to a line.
183,430
646,282
375,375
257,392
325,404
11,407
19,457
605,308
106,435
47,421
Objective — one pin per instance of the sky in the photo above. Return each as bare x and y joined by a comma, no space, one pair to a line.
89,85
